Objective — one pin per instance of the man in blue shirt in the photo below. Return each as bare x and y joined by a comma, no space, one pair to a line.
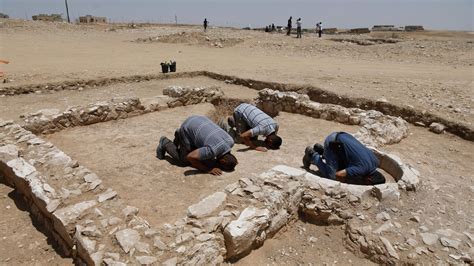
345,159
201,143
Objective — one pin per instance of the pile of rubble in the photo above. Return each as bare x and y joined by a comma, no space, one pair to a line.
187,96
376,128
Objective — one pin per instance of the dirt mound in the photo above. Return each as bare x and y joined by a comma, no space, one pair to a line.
193,38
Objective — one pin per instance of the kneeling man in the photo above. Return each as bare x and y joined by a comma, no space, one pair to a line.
345,159
201,143
250,122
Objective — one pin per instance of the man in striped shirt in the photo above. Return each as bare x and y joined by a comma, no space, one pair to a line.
250,122
201,143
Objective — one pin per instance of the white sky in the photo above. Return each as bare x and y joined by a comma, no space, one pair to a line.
433,14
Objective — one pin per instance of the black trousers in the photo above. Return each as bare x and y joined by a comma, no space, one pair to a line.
289,31
177,150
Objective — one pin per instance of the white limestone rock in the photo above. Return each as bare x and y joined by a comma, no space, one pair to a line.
429,238
70,213
146,260
127,238
241,234
8,152
207,205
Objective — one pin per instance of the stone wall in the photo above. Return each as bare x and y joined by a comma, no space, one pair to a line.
48,121
408,113
187,96
376,128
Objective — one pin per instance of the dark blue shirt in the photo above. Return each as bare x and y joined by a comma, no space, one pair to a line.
345,152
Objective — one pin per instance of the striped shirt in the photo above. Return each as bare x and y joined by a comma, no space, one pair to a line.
199,132
259,122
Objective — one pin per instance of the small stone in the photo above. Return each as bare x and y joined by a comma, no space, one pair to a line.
127,238
171,262
129,210
449,242
181,249
423,229
384,216
415,219
437,128
183,238
383,228
429,238
207,205
312,239
159,244
146,260
109,194
142,247
412,242
388,246
204,237
114,221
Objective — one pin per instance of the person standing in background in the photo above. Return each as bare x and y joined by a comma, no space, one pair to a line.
298,28
319,29
289,26
205,24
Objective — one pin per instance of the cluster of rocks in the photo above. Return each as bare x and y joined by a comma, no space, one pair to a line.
48,121
376,128
366,41
95,226
187,96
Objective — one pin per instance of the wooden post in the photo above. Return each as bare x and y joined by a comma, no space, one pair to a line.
67,12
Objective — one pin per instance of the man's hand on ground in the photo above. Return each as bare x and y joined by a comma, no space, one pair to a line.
215,171
263,149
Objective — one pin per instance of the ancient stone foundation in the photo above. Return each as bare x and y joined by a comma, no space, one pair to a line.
376,128
95,226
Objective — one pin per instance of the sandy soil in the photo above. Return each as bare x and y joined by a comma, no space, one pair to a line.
122,153
22,240
431,71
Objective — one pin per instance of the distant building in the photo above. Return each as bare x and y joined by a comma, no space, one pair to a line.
92,19
4,15
359,30
329,30
414,28
383,28
45,17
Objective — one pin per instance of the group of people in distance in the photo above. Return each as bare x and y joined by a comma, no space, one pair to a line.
319,28
207,146
271,28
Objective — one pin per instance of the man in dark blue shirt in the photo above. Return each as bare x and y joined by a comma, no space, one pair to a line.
345,159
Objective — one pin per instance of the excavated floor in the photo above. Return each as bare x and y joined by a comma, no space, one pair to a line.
122,153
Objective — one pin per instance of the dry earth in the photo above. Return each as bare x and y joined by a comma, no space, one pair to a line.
432,71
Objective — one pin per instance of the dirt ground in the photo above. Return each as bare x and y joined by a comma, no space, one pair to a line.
431,71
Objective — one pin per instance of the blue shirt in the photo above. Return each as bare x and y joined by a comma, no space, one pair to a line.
199,132
350,154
